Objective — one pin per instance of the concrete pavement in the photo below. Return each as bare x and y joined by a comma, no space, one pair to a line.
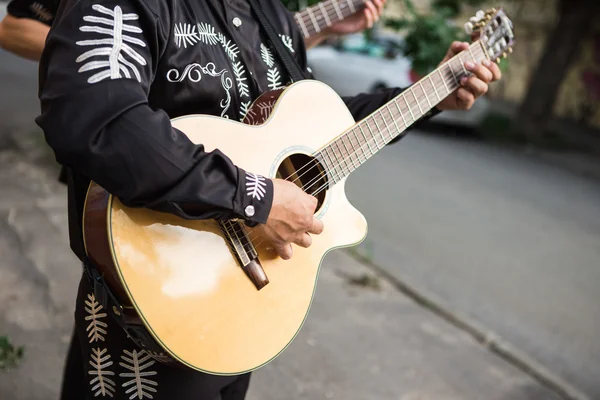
359,342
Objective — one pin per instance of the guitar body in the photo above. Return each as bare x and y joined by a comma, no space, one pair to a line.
181,276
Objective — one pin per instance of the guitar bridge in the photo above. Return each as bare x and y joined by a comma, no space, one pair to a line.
245,252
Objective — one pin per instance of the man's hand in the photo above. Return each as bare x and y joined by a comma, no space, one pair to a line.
291,219
471,87
359,21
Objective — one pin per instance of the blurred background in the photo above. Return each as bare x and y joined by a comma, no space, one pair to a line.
480,276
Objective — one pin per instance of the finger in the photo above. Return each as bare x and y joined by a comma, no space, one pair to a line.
317,227
284,251
464,99
480,71
379,4
494,69
456,47
370,14
304,240
476,86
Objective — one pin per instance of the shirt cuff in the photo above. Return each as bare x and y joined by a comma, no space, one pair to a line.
254,197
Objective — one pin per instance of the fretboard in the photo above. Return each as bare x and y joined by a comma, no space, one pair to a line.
314,19
355,146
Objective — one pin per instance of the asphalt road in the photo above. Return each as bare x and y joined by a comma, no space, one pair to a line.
509,241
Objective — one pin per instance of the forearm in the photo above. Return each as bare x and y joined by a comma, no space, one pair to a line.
22,36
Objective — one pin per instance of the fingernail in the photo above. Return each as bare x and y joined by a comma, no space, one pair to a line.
463,80
487,63
469,65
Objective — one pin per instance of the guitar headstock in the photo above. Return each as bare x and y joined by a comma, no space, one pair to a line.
495,30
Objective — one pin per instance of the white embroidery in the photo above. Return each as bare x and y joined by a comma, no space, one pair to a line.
239,72
274,78
117,65
41,12
137,363
101,384
185,34
207,33
255,186
288,42
96,327
244,107
229,46
266,55
194,72
160,357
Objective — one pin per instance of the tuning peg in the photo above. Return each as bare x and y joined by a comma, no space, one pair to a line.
479,14
498,60
510,50
469,28
504,55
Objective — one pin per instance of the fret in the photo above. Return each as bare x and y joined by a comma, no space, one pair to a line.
349,137
401,113
302,25
434,88
360,145
443,80
343,158
417,100
462,64
409,110
314,21
393,119
351,5
379,128
325,14
337,9
366,140
484,50
425,93
332,169
373,136
387,127
349,153
452,71
472,56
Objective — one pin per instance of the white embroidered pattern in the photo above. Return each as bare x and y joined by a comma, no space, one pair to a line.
138,363
288,42
101,384
114,65
194,72
160,357
255,186
244,107
273,75
41,12
240,78
266,55
96,328
185,34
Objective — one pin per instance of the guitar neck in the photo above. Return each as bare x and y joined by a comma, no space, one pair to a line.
355,146
314,19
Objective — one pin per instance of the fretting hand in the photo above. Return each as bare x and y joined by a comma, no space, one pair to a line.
472,87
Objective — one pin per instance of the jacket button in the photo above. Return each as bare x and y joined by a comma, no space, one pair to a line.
237,22
250,211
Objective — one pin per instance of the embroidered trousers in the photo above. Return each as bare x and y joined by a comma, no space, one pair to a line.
103,363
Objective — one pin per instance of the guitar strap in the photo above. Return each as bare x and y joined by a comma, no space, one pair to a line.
291,65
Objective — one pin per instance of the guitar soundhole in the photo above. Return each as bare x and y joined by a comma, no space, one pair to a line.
307,173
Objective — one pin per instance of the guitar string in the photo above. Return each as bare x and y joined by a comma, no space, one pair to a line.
454,83
329,8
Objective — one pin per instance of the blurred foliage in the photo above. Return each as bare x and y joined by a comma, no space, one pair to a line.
429,35
9,355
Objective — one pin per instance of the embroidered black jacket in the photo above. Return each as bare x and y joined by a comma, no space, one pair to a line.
113,74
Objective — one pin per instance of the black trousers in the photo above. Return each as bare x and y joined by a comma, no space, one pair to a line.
103,363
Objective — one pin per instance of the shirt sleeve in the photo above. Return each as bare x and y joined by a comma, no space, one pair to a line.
40,10
95,76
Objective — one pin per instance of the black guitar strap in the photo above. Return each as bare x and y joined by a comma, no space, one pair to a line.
291,65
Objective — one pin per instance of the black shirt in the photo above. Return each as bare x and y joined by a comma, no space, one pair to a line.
115,72
40,10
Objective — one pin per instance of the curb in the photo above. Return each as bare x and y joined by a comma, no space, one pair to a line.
486,337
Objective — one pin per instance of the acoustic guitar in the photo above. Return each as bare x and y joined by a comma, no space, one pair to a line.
212,293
